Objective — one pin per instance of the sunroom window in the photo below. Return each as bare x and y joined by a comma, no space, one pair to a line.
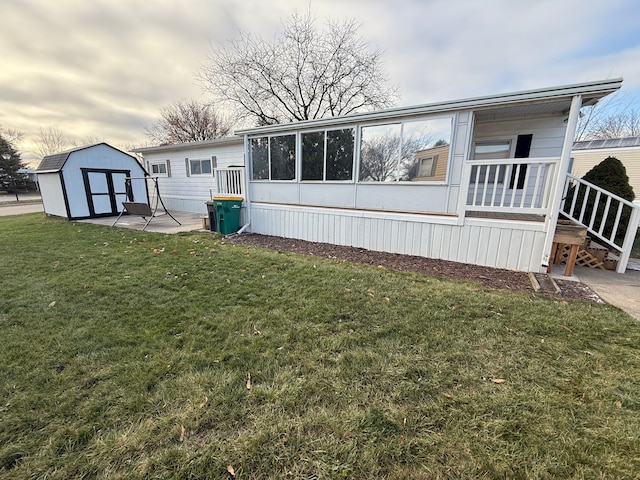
273,158
328,155
405,152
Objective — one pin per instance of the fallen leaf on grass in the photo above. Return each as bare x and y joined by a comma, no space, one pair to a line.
231,471
248,381
566,328
619,404
256,331
498,380
52,304
456,307
158,250
387,299
447,395
202,404
182,433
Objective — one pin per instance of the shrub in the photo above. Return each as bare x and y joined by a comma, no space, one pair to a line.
610,175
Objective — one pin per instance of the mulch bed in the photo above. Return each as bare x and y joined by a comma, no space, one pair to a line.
495,278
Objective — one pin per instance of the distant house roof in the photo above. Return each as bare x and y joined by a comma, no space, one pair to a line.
217,142
55,162
608,143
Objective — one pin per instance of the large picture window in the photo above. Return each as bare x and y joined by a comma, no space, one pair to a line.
406,152
328,155
273,158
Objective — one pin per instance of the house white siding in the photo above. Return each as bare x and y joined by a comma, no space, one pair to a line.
479,241
179,189
447,217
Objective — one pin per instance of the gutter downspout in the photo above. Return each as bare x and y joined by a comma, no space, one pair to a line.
561,175
247,185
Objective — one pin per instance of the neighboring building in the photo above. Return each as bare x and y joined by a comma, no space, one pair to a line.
589,153
90,182
186,172
490,196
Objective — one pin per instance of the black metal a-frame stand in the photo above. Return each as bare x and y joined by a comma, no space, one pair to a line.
143,209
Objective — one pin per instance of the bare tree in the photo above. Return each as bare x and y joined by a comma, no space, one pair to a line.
188,121
12,136
614,117
50,140
303,73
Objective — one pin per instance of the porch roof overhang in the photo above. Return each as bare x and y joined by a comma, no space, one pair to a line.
544,101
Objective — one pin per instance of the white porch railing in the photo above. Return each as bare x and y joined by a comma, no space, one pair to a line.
230,181
516,185
607,217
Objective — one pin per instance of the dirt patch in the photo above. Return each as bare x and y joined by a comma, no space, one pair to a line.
489,277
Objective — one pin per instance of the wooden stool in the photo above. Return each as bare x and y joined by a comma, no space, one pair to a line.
567,233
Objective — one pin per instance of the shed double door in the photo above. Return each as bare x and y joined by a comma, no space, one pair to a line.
106,190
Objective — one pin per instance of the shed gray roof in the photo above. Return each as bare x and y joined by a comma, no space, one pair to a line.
608,143
55,162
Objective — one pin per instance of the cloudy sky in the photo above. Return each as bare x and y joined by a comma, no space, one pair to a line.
102,69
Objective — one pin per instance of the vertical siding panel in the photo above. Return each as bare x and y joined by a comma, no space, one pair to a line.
515,247
484,240
452,241
436,243
404,240
408,241
426,234
494,245
463,254
503,252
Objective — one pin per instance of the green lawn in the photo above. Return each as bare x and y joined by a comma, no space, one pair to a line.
127,354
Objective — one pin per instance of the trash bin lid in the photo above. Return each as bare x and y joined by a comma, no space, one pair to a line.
228,197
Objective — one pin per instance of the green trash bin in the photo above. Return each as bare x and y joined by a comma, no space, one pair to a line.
227,214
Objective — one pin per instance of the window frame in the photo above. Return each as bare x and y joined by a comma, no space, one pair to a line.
325,151
269,165
159,163
200,161
511,140
398,180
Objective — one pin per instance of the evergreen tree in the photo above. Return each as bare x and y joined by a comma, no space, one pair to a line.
10,163
611,176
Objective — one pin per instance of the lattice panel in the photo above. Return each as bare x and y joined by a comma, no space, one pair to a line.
583,259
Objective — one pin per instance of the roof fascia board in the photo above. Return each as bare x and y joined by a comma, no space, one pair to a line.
218,142
599,89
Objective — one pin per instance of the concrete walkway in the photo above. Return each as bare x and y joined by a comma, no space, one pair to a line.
621,290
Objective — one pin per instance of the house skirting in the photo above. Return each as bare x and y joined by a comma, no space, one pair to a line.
514,245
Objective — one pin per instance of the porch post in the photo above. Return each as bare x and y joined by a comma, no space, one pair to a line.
560,179
629,238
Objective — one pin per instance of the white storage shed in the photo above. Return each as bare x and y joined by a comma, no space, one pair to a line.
90,182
